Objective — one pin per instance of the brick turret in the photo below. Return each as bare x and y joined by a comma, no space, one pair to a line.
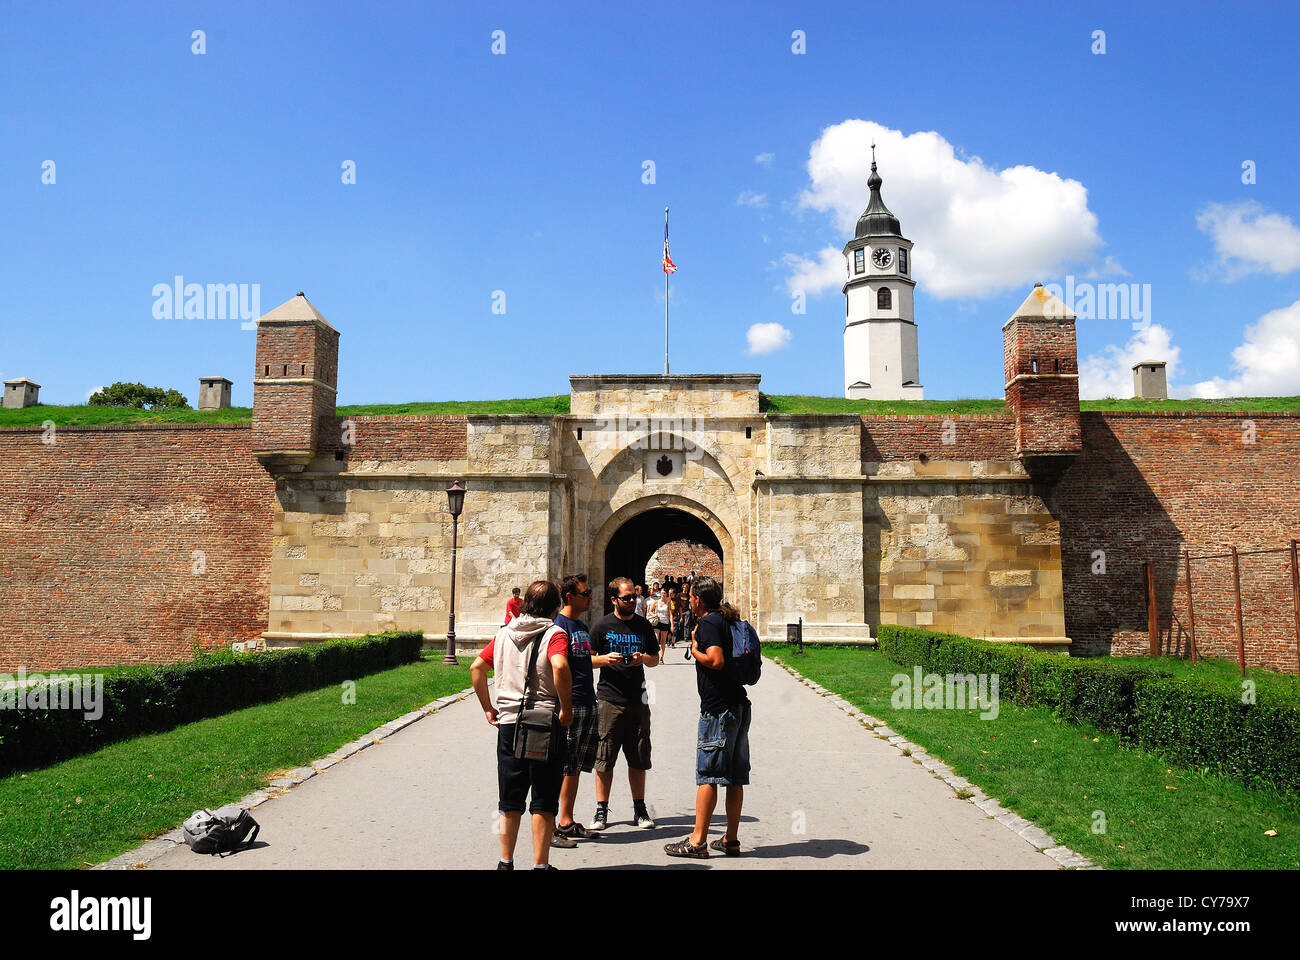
294,384
1041,361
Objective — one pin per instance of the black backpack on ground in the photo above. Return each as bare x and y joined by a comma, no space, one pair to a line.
224,831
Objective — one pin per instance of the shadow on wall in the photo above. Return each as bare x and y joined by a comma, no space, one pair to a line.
1112,522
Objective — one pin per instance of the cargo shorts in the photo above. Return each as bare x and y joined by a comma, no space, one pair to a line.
722,747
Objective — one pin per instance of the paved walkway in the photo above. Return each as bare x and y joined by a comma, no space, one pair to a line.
824,793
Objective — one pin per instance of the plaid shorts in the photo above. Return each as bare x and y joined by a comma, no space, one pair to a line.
583,737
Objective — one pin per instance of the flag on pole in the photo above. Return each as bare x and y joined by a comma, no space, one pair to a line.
669,266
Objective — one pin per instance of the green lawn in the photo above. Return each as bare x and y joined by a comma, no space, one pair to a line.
93,807
559,405
1158,816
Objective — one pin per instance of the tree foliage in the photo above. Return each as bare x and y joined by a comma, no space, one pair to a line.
122,394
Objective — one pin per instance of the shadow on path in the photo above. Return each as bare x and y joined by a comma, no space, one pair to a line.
821,849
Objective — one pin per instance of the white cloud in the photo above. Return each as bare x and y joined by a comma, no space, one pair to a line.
765,159
1249,239
92,391
767,337
1110,372
1110,267
813,276
748,198
978,231
1267,363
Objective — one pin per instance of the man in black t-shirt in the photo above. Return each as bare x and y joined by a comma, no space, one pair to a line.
622,645
722,744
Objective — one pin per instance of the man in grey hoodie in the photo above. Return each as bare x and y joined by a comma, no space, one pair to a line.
508,655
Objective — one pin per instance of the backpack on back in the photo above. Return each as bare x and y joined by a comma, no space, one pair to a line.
224,831
746,653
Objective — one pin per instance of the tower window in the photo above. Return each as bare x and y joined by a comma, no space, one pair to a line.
902,260
883,299
304,369
859,260
1033,366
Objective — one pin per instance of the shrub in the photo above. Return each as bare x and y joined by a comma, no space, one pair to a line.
1197,722
151,699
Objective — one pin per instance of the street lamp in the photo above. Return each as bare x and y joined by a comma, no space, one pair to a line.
455,503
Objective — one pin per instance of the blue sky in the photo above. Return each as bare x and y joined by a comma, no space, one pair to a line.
523,172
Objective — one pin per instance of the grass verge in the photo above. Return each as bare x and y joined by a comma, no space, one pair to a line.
1157,816
91,808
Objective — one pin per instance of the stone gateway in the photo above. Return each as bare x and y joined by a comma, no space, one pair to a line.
844,521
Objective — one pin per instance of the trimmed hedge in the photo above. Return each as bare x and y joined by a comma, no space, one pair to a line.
1198,723
151,699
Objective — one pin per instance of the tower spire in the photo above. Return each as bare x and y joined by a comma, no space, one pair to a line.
876,220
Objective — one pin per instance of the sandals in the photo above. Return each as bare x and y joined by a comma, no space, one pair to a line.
731,849
684,848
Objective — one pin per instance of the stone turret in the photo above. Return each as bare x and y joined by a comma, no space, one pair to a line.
1040,356
294,384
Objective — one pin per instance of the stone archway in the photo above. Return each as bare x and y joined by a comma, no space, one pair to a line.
629,535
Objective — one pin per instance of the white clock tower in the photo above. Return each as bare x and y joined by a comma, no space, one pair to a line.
880,359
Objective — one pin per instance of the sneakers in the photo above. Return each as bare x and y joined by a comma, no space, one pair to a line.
600,821
502,865
643,820
544,866
560,840
574,830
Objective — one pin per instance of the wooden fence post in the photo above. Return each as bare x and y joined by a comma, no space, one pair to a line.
1153,618
1295,599
1241,633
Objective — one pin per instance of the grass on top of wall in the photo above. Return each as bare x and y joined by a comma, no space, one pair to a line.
83,415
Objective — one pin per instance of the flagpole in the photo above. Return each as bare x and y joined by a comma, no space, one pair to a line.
665,293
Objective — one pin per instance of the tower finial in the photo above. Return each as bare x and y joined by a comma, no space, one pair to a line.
873,154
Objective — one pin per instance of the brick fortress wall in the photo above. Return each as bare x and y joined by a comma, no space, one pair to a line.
679,558
98,534
1149,485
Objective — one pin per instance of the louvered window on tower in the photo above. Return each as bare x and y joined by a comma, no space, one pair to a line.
883,299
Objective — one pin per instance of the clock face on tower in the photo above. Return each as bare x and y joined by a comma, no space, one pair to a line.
881,257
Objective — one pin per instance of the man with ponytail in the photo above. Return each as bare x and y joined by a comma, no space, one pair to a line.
722,745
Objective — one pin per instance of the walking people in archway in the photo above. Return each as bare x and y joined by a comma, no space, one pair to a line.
653,609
